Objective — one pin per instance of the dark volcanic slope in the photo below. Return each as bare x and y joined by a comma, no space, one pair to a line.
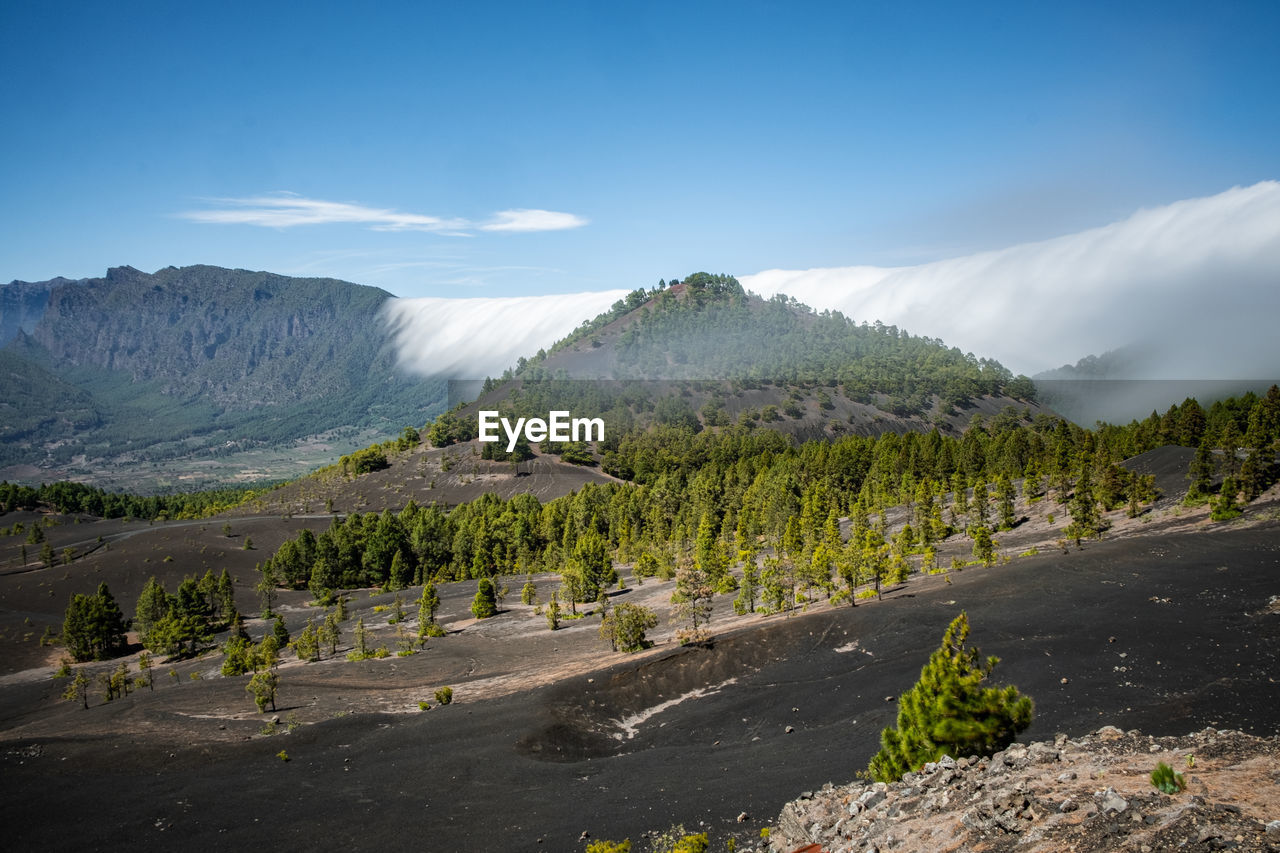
1169,635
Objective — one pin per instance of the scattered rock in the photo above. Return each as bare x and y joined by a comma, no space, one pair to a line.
1045,796
1110,801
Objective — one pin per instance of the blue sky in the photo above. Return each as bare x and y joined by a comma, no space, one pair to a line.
405,145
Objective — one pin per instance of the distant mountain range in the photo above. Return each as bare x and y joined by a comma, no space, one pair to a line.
1129,383
206,376
103,376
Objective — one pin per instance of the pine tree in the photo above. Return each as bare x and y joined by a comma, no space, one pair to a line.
400,572
950,712
529,592
428,604
984,547
746,600
959,494
707,549
328,634
692,598
263,687
1084,507
307,646
152,606
224,598
485,603
78,689
361,649
280,632
980,509
1201,472
553,612
1224,507
237,626
1006,493
266,587
145,667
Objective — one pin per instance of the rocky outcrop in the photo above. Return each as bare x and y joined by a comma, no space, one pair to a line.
1089,794
22,304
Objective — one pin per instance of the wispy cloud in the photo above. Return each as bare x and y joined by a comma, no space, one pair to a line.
289,210
532,220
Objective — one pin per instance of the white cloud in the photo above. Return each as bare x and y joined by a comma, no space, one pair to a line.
288,210
532,220
474,338
1198,280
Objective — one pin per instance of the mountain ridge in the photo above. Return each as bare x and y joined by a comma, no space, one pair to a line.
192,362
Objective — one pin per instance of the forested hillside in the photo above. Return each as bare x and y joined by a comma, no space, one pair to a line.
708,327
703,353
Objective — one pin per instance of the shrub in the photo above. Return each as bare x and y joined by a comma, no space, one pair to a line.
625,626
1166,780
623,846
444,695
677,840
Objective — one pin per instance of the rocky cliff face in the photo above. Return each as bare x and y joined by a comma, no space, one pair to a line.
194,362
238,338
22,304
1089,794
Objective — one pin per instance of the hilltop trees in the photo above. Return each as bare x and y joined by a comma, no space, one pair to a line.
950,712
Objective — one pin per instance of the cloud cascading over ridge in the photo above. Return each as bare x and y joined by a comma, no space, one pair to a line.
1196,283
287,210
478,337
